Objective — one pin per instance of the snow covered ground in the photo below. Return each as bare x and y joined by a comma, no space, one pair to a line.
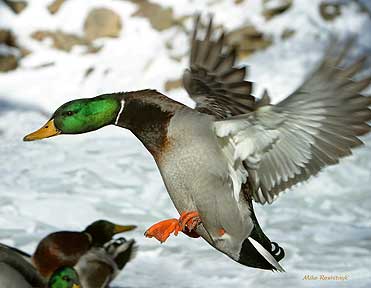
68,182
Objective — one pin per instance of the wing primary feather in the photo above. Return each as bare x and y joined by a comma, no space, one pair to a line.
211,71
349,44
194,43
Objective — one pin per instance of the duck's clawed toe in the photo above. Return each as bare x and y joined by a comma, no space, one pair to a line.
189,220
162,230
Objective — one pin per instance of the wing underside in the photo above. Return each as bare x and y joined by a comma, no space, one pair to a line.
314,127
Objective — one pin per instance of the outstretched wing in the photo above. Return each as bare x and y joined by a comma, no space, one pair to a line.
314,127
213,81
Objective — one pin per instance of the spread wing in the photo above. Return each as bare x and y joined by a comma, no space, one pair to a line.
314,127
213,81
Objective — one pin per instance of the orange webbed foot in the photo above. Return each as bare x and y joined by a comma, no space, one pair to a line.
162,230
187,222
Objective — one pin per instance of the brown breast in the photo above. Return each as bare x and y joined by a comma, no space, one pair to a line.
60,249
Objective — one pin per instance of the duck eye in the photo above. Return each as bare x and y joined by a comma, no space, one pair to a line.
68,113
66,278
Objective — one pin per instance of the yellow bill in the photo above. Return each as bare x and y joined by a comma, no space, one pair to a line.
120,228
48,130
76,286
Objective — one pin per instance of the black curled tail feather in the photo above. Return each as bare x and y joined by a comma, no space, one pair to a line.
277,251
256,247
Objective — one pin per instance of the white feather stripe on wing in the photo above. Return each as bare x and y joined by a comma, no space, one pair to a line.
267,256
237,172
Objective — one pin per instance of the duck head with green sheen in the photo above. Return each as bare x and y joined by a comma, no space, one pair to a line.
79,116
64,277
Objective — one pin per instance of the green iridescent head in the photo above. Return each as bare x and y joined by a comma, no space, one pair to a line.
64,277
79,116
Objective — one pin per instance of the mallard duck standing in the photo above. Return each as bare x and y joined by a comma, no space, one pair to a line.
232,148
94,255
65,248
16,272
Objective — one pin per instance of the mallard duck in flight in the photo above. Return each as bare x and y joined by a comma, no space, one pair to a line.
94,255
16,272
233,148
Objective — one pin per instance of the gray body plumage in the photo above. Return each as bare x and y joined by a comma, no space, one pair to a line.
17,272
11,278
196,175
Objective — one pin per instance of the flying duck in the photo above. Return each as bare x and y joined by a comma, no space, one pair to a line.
232,148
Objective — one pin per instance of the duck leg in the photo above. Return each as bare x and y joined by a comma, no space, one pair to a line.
187,222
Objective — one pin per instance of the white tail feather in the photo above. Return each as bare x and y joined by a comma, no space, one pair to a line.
267,256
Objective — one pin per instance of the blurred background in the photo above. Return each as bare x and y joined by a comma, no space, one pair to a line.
52,51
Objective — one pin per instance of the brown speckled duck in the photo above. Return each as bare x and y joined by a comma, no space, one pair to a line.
232,148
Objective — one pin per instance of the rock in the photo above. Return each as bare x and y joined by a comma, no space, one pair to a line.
88,72
173,84
55,6
8,59
287,33
273,8
102,22
93,48
7,38
43,65
64,41
160,18
16,6
329,11
8,63
248,39
24,51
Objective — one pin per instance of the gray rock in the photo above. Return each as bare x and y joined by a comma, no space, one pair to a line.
102,22
8,62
